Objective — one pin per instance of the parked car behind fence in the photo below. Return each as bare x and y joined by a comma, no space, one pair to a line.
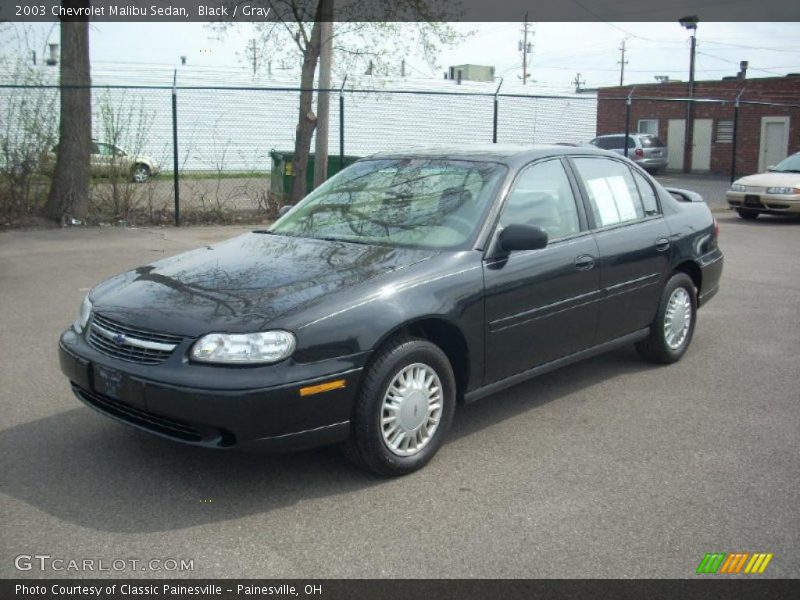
646,150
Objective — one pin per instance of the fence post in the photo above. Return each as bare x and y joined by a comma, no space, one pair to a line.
175,179
496,107
341,123
628,119
734,135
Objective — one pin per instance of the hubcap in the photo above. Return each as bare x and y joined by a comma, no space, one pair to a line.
677,318
140,174
411,410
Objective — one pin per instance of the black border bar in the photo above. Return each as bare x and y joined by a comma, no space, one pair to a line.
409,10
741,588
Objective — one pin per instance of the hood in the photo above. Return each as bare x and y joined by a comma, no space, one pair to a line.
243,284
143,158
771,179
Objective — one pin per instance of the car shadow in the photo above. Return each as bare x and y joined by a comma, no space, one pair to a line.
768,220
92,472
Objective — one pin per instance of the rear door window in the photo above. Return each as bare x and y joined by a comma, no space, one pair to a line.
647,193
612,191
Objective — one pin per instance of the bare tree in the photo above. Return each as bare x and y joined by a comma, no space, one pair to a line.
27,125
410,26
70,186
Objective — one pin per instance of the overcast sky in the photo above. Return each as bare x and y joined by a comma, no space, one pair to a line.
560,50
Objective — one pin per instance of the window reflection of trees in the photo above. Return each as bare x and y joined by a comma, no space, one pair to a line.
376,199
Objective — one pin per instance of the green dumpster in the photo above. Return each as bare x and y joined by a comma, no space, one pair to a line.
283,171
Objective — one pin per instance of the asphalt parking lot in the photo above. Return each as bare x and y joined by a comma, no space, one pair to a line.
609,468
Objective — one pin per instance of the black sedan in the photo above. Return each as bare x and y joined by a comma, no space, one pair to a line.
403,286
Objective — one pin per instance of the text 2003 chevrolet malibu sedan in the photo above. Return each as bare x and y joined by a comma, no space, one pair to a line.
405,284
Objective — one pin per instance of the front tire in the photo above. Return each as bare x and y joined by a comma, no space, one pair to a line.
404,408
672,329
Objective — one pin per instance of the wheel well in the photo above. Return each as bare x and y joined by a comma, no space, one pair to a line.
693,271
450,339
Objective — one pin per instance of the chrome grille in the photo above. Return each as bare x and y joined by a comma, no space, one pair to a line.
130,344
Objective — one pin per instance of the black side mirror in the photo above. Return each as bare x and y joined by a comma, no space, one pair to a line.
284,209
522,237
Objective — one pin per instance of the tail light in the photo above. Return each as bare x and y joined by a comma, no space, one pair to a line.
639,152
716,228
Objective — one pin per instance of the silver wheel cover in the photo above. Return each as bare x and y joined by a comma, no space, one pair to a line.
411,409
677,318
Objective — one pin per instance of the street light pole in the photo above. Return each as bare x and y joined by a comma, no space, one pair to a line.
690,24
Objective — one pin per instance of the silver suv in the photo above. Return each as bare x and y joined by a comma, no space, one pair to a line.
645,149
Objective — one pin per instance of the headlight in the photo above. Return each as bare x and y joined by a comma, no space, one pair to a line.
244,348
783,190
738,188
83,315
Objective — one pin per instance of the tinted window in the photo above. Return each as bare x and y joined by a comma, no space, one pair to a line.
612,191
419,202
647,194
652,142
543,197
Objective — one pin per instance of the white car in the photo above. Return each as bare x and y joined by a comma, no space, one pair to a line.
106,160
776,192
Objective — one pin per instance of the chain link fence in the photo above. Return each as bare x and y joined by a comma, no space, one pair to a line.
225,136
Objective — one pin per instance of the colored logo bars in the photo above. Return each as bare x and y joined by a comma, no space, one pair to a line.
734,562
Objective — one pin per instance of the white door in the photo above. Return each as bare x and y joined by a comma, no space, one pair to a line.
701,145
676,138
774,141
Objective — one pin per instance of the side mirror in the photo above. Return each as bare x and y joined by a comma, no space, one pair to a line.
284,209
771,168
522,237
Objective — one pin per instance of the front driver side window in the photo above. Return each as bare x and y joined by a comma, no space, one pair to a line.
543,197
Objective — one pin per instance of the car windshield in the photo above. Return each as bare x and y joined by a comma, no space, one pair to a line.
418,202
789,165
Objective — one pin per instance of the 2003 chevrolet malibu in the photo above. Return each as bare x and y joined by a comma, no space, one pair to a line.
403,286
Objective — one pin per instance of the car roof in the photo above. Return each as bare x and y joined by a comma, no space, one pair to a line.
510,154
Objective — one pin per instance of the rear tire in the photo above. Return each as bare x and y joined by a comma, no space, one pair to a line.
404,408
748,215
672,329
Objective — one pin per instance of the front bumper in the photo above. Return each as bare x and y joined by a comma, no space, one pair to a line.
763,202
274,418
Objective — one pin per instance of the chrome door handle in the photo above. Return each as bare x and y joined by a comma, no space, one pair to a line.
662,244
584,263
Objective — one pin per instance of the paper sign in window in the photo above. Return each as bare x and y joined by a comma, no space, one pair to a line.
604,201
622,196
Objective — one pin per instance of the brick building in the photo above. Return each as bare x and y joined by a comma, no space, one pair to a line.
766,133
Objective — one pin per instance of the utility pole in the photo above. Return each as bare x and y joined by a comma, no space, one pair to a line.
690,24
578,83
323,98
254,55
622,62
525,48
